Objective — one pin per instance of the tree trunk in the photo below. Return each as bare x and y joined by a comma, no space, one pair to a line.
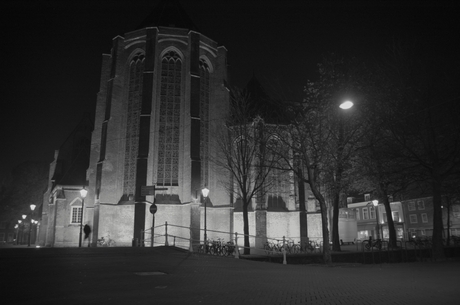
438,247
326,248
335,223
246,227
391,224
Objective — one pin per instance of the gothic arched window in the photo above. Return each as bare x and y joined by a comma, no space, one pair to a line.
204,122
170,97
136,70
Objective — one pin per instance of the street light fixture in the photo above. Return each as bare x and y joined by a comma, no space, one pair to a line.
83,193
32,207
346,105
205,193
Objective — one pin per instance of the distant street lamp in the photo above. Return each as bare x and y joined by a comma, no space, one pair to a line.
205,192
32,207
83,193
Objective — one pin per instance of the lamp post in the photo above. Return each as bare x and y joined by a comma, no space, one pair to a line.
375,203
205,192
32,207
17,233
83,193
23,222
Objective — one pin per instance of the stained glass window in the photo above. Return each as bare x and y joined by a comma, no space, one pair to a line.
136,70
204,128
170,97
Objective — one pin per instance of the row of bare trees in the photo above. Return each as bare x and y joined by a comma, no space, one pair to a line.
403,132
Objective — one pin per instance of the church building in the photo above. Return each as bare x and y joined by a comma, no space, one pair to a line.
163,93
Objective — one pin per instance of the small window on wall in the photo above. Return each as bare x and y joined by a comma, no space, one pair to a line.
421,204
395,216
358,216
372,212
413,218
365,213
76,215
424,218
411,206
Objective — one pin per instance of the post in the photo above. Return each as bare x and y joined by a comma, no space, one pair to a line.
83,193
166,234
152,237
237,250
284,251
30,232
205,229
191,241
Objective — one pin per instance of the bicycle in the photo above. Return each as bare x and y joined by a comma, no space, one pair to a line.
291,247
373,243
102,242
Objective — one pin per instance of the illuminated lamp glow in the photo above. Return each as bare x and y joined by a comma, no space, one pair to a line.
346,105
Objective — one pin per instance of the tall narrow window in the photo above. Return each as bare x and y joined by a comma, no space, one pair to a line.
204,122
170,96
76,214
136,70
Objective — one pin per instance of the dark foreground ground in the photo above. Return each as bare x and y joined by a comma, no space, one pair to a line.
172,276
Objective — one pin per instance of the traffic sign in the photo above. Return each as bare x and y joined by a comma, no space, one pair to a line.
153,208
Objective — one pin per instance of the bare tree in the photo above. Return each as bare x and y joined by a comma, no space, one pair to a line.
423,114
243,154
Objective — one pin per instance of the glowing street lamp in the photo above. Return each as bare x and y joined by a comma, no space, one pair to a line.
83,193
205,193
346,105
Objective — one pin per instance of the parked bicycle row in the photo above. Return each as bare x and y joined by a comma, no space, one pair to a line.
217,247
291,246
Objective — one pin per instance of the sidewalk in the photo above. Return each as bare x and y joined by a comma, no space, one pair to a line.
167,275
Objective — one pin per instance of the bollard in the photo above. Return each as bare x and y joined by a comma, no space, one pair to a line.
166,234
190,242
237,250
284,251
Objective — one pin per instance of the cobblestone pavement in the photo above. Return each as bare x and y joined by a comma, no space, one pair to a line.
170,276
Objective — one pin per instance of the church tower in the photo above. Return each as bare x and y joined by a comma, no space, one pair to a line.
161,93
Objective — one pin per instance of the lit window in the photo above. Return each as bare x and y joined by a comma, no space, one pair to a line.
424,218
76,215
413,218
395,216
136,71
358,216
169,119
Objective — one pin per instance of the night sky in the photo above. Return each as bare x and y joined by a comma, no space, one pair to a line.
51,51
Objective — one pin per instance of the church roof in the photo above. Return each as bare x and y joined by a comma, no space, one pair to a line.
168,13
271,110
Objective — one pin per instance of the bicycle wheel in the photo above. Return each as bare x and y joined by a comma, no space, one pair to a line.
201,249
223,250
367,246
